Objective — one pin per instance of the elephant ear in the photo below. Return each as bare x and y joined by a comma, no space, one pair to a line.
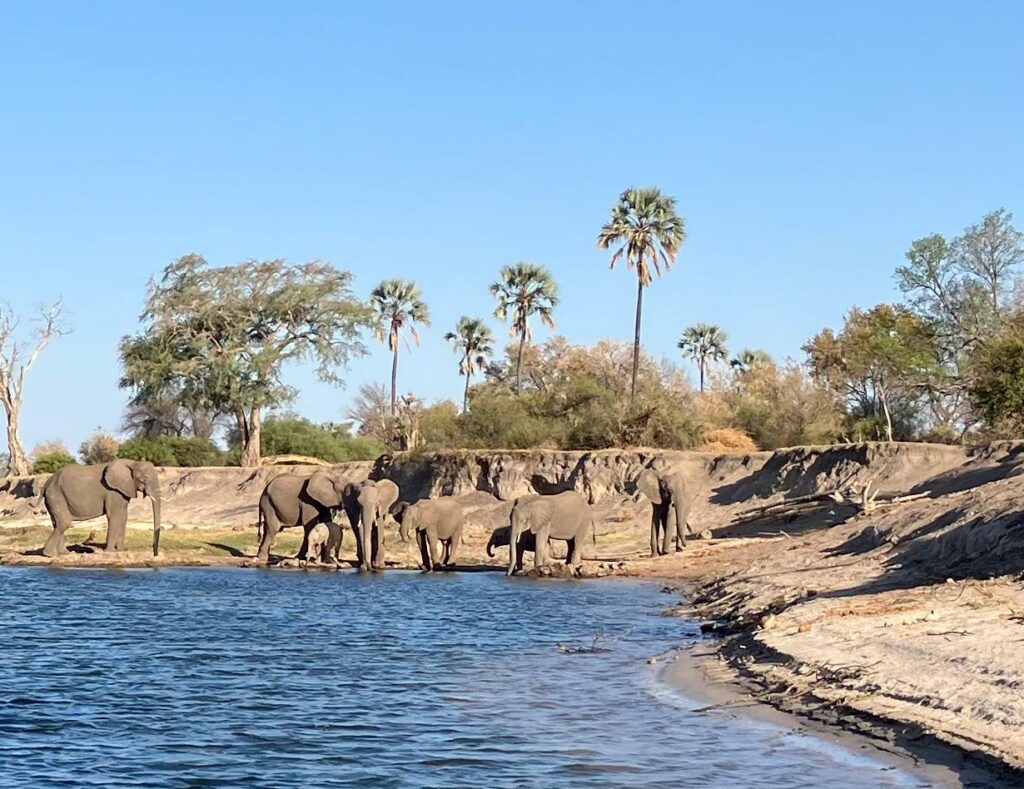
118,476
399,510
320,488
387,495
649,484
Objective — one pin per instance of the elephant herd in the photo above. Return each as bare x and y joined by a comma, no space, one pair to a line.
310,501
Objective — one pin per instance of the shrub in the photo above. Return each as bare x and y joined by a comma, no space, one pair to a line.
439,426
726,439
48,462
100,448
289,435
173,451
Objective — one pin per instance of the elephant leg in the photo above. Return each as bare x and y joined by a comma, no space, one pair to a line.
271,526
421,543
520,554
431,537
378,547
681,527
60,516
453,545
670,529
117,524
574,555
540,553
654,530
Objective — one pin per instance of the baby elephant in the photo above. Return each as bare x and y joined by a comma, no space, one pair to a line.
433,520
323,543
500,537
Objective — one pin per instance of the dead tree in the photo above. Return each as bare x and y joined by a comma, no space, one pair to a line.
16,359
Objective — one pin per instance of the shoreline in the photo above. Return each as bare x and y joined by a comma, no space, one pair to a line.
700,674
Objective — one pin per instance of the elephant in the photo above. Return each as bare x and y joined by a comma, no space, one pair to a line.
316,543
368,505
298,500
503,535
670,509
561,516
433,521
78,493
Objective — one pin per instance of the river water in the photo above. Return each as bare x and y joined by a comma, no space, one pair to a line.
255,678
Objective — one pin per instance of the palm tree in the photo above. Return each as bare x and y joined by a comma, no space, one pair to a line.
648,232
472,339
748,359
704,343
398,303
525,289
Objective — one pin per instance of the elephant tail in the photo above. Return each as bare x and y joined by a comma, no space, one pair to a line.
260,526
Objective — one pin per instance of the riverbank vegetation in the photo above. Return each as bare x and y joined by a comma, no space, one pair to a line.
205,371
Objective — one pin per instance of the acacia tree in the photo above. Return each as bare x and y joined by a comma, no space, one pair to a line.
16,359
219,337
704,343
648,232
525,289
398,304
473,341
883,357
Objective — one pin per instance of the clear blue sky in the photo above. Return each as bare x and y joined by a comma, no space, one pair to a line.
807,143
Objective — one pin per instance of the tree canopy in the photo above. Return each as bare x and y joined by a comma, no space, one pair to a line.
219,336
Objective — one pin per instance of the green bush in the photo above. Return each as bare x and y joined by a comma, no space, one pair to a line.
173,451
49,462
288,435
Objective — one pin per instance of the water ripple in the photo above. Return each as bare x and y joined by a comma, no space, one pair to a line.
218,678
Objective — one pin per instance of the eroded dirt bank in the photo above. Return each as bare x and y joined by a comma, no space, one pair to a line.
898,612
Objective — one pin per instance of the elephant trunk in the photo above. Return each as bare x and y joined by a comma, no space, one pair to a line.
490,547
403,531
156,497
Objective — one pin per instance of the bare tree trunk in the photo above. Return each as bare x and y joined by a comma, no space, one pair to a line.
17,462
394,382
636,338
700,368
250,427
888,416
465,396
519,360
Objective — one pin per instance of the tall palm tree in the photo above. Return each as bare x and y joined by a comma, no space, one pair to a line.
525,289
398,304
704,343
648,232
472,339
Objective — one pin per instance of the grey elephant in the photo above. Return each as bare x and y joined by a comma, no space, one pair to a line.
368,505
78,493
316,543
503,536
433,521
670,509
562,516
303,500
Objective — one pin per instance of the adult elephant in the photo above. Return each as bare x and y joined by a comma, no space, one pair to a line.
433,521
79,493
304,500
368,505
562,516
670,508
